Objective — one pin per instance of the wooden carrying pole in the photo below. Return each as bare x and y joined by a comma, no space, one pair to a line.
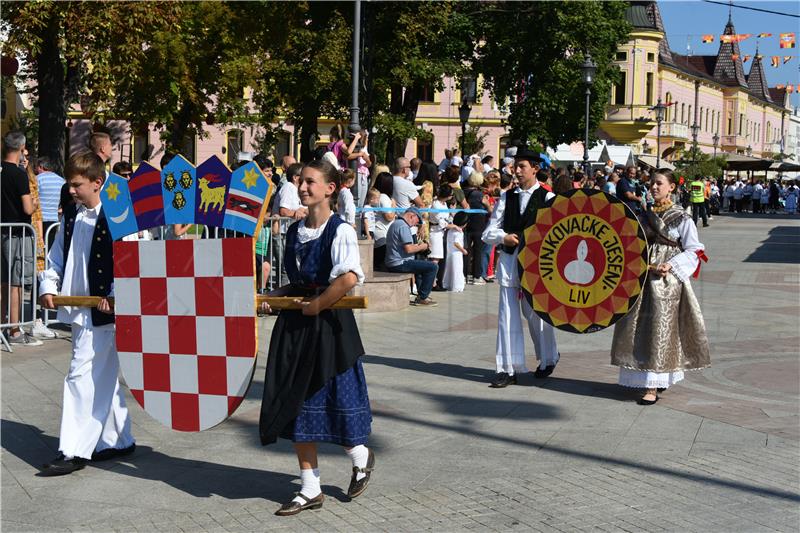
275,302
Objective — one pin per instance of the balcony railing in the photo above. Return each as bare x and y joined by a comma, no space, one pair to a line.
674,130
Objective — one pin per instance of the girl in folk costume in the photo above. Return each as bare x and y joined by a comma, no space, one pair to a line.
314,390
663,334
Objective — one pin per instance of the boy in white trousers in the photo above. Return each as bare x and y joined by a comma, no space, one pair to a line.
95,424
515,211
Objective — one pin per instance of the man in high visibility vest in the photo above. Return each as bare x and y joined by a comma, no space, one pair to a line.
697,197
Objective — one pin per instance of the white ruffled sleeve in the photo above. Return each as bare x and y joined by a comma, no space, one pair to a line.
50,279
344,254
685,263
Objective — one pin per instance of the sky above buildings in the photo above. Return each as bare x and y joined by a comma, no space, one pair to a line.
687,21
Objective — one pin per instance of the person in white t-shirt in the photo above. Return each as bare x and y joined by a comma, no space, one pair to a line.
345,205
287,205
405,192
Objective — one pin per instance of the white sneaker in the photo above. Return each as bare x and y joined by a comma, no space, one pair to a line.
40,331
478,281
23,339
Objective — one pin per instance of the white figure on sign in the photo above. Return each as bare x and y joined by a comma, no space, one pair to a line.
580,271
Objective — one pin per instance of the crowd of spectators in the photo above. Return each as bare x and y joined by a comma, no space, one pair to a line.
410,211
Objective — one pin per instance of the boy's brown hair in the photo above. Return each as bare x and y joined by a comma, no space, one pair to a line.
86,164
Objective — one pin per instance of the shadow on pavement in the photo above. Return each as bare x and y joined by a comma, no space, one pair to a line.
27,442
480,375
597,389
781,246
203,479
469,430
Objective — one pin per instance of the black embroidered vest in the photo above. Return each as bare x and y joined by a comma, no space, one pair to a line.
514,222
100,269
315,256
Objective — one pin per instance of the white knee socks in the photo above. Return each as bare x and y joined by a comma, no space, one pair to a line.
310,484
359,455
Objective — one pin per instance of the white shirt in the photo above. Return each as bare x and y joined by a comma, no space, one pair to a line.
381,224
439,221
493,235
73,277
344,249
288,199
404,192
346,206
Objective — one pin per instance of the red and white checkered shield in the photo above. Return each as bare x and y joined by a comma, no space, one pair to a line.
186,327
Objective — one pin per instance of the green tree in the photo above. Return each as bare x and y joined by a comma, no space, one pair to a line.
74,51
696,163
410,46
531,53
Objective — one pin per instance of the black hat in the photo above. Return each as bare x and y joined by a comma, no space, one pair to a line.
529,155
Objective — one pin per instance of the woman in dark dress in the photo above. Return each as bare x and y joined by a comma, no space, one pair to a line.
315,390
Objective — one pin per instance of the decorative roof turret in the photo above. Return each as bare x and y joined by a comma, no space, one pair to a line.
757,79
728,68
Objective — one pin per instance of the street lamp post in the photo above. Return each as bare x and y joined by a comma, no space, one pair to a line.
659,108
468,97
588,68
695,132
715,140
463,115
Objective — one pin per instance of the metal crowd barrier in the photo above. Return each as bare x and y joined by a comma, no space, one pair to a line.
18,242
271,253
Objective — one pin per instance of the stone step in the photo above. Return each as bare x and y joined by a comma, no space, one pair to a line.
365,249
386,291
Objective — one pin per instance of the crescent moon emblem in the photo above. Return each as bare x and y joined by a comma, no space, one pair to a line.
120,218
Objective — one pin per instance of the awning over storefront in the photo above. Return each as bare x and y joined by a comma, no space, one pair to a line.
743,162
784,166
649,161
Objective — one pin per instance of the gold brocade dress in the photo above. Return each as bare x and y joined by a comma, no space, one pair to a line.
664,333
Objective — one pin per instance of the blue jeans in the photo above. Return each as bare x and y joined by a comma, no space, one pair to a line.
424,274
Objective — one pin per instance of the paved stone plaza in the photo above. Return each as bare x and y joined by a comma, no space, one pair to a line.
719,452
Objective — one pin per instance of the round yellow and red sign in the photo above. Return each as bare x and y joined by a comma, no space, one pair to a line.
584,261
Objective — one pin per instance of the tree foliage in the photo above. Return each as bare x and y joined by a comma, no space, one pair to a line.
76,51
410,45
531,53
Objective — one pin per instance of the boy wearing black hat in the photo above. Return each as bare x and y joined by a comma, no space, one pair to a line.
515,211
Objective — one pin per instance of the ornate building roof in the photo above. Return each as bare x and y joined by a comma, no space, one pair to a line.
757,80
728,69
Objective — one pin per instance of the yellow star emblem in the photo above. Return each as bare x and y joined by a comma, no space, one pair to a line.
250,178
112,191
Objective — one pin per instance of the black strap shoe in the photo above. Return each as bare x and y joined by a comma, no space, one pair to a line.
357,487
293,507
543,373
111,453
502,380
60,466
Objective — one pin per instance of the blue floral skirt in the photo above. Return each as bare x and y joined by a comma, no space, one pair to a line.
339,412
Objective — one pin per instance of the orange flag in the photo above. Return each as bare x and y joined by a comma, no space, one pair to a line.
746,58
787,40
786,59
742,36
790,88
734,56
776,61
726,38
708,38
762,35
